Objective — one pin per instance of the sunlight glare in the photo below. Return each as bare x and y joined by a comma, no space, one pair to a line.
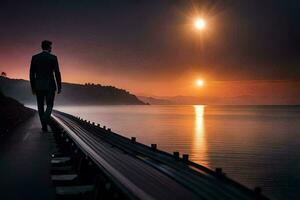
199,144
200,83
200,24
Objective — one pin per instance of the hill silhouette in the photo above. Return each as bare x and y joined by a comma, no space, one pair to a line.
72,94
11,113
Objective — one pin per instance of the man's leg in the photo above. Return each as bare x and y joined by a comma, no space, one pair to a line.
49,101
40,97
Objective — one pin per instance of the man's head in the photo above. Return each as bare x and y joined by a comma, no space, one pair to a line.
46,45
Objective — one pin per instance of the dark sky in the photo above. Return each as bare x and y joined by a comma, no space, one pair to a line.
138,42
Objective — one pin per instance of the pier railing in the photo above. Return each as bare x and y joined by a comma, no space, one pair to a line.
145,172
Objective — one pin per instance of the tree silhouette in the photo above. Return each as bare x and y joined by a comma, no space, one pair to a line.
3,74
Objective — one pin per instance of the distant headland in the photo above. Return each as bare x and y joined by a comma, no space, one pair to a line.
72,94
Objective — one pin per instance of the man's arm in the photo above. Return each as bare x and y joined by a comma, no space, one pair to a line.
32,76
57,75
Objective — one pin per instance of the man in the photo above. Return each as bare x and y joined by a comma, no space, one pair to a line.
42,70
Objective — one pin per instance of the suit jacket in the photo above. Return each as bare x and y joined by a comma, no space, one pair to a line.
42,70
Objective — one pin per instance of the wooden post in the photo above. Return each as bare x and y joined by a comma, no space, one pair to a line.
176,155
133,139
185,157
154,146
219,172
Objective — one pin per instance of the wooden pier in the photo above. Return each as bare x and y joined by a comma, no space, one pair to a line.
95,163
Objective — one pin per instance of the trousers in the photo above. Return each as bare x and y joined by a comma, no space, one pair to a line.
41,97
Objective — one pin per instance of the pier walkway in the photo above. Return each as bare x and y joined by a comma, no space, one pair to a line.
25,163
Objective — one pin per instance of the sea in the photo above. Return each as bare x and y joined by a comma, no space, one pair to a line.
255,145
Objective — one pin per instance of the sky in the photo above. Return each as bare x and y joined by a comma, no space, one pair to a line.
152,47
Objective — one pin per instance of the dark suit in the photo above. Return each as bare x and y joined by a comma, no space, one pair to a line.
42,70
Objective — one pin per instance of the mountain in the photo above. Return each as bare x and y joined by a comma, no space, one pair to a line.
155,101
178,100
72,94
192,100
235,100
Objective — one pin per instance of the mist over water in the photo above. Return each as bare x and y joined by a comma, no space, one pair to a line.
255,145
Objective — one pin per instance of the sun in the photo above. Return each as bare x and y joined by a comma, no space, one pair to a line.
200,83
200,23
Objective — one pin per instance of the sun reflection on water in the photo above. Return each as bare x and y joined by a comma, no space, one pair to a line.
199,147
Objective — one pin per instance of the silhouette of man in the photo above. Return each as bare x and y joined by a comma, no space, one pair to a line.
42,70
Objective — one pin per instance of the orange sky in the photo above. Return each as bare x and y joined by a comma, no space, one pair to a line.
152,48
183,84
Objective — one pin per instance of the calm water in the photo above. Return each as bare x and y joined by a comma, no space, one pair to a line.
256,145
